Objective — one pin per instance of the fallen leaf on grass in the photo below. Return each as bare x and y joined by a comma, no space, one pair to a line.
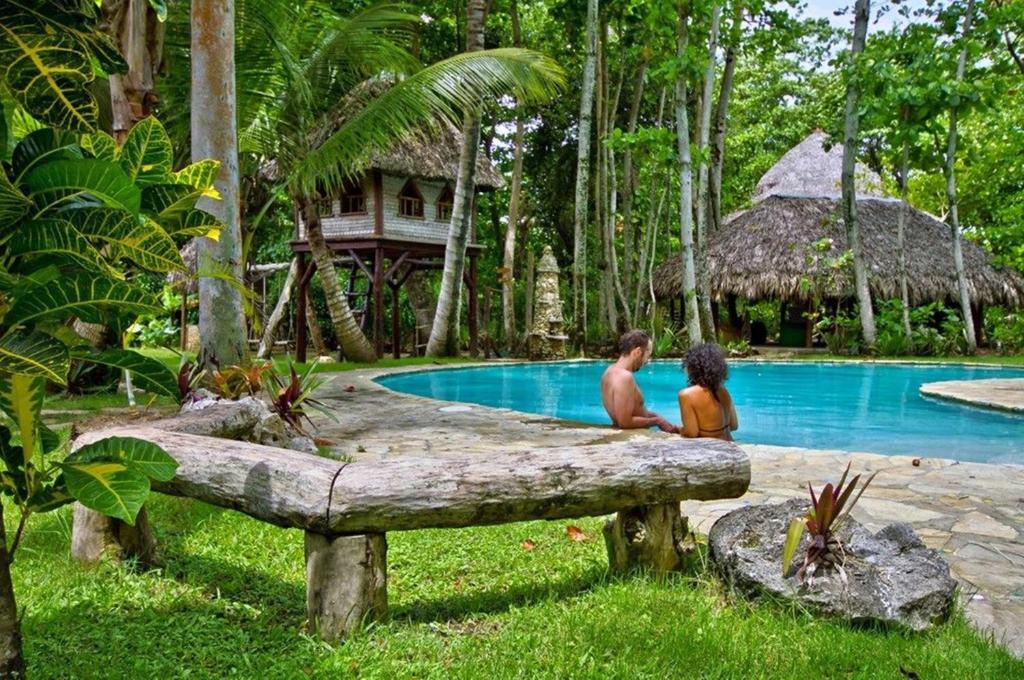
528,544
458,585
576,534
350,388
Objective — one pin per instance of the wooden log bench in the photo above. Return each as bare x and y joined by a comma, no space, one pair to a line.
346,509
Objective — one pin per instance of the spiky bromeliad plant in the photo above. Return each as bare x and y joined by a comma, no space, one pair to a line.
828,510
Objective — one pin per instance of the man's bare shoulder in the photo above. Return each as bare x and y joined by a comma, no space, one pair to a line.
616,375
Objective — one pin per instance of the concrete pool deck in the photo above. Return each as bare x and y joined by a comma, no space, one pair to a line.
1004,394
972,512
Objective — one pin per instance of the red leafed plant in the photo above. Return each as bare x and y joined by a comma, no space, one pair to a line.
290,399
827,512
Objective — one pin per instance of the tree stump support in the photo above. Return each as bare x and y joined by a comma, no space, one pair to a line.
647,538
346,582
94,535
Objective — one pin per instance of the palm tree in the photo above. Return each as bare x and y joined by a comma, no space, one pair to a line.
335,90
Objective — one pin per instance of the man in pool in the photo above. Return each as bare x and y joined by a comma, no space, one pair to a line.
619,391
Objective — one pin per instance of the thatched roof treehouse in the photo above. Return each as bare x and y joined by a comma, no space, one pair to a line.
393,220
785,247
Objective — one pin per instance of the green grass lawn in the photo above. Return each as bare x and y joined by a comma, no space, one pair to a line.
469,603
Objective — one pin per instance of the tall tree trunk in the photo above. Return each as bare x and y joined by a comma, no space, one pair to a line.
140,36
901,240
444,335
316,336
629,182
607,299
277,315
222,329
350,336
954,215
653,216
612,193
686,184
579,265
707,321
12,660
721,118
508,310
850,125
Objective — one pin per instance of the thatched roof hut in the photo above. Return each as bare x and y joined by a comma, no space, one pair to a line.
786,245
783,247
434,155
809,170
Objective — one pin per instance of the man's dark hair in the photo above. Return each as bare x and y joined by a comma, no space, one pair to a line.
631,340
705,366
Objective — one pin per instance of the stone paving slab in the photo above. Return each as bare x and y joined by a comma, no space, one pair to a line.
1004,394
972,512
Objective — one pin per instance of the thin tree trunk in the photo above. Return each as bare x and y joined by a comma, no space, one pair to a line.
508,309
277,315
721,118
350,337
12,660
607,298
686,184
629,182
214,135
954,214
850,125
707,321
579,265
316,336
528,315
140,35
653,216
444,335
612,192
901,245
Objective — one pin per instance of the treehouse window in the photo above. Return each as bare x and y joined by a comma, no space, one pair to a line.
410,201
445,202
352,199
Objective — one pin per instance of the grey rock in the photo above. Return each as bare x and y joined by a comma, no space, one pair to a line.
891,577
245,419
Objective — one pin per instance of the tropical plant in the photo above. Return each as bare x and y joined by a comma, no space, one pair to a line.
828,510
290,400
234,382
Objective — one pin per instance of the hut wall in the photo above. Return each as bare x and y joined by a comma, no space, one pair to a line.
426,229
340,226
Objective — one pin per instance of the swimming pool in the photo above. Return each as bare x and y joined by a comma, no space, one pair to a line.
846,406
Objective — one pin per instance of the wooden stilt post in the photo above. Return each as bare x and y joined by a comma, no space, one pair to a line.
346,582
300,311
396,336
378,301
474,332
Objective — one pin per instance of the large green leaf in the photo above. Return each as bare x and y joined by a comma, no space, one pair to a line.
14,481
43,146
145,243
146,155
113,489
148,373
47,71
169,200
83,182
34,353
194,222
138,454
13,204
112,475
21,398
51,496
200,175
59,238
80,296
793,536
101,145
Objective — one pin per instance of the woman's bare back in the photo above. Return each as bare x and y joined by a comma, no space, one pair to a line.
705,416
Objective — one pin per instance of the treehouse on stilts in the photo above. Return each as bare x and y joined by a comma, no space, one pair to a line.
392,221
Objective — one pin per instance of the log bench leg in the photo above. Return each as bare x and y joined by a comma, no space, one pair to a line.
94,534
647,537
346,582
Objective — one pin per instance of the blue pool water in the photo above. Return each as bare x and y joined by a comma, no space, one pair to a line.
852,407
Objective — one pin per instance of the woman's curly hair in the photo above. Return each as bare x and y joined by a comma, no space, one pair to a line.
705,366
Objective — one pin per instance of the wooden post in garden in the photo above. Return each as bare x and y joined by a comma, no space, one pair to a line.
300,310
346,582
647,538
528,316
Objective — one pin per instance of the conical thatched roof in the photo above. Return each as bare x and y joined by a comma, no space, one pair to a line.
808,170
783,245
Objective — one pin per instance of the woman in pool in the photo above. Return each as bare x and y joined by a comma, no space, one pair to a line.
706,406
